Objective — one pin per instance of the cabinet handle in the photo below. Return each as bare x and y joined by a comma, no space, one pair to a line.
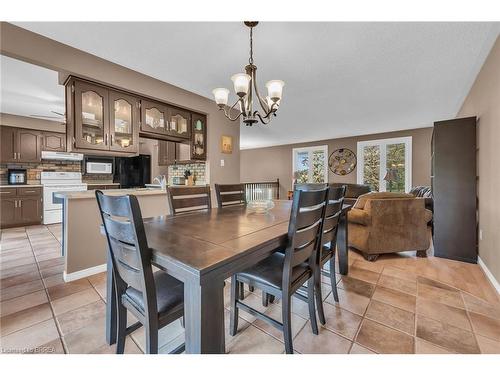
20,203
111,137
31,191
106,140
15,203
14,156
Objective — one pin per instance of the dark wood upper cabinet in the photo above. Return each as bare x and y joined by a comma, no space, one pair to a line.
8,153
166,152
91,116
53,141
20,145
154,117
198,137
179,123
124,122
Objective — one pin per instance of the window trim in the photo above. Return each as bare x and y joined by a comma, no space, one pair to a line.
310,150
382,143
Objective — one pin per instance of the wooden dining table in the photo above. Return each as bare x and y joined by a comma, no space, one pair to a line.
202,250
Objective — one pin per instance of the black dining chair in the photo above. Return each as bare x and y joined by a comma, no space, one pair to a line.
327,244
189,199
155,299
230,195
282,274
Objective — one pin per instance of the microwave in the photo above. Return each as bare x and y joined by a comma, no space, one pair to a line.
98,165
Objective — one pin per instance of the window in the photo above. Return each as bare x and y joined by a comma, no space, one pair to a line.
385,164
310,164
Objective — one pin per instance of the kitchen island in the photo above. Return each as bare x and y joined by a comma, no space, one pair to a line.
83,245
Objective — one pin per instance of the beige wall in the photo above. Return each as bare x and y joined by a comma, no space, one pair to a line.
33,48
267,164
483,101
31,123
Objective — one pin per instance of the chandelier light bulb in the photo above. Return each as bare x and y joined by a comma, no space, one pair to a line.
241,83
275,89
221,96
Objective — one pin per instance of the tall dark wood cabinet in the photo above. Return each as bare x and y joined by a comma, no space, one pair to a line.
454,189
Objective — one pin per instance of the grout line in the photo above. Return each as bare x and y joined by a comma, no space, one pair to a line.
470,322
48,298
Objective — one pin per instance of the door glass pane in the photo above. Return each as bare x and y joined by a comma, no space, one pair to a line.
371,167
318,166
178,124
301,167
395,174
92,117
155,118
123,123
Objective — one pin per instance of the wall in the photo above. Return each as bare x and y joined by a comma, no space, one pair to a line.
16,121
483,101
267,164
33,48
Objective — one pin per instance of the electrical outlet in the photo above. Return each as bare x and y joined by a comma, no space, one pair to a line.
221,162
480,234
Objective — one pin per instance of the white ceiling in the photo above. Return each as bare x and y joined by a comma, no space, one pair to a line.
30,90
341,79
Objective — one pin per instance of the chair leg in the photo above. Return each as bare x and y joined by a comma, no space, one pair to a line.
333,279
265,299
286,311
319,296
233,320
122,328
241,291
310,302
251,288
151,338
271,298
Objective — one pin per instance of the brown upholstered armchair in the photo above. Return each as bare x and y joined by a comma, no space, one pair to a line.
387,223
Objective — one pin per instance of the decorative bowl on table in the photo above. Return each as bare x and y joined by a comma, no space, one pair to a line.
261,206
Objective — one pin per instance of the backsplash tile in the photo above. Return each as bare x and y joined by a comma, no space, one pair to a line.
198,170
33,170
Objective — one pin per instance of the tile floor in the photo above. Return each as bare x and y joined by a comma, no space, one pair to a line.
398,304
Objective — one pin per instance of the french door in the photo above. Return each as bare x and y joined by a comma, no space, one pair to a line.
385,164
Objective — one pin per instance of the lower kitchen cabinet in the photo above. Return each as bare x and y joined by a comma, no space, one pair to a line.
21,206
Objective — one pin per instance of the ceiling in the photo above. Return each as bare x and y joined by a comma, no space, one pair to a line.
30,90
342,79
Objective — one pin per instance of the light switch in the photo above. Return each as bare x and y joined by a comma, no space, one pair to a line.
221,162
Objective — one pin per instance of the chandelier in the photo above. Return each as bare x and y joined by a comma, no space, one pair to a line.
244,85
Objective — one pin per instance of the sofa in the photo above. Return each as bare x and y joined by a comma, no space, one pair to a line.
387,222
353,191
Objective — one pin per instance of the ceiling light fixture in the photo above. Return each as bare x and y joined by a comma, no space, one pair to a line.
243,83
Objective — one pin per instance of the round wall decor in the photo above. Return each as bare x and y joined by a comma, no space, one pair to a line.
342,161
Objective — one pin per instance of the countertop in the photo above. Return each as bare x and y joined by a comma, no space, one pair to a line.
21,186
101,183
90,194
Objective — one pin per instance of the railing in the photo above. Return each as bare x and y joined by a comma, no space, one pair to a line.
262,190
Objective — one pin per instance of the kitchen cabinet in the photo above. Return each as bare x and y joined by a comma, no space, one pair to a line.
101,120
179,123
166,152
124,122
102,187
52,141
154,117
20,145
198,136
21,206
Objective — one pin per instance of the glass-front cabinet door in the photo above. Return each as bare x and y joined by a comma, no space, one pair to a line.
154,117
123,112
198,137
91,116
178,124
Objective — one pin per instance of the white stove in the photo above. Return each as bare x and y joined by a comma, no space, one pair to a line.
55,182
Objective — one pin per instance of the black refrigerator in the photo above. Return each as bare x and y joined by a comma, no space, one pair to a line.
133,171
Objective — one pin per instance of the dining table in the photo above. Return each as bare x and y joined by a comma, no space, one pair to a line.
203,249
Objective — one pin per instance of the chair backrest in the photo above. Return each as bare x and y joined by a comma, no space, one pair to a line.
304,230
128,246
309,186
332,216
188,199
230,195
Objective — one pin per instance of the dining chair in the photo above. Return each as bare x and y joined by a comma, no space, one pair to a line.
155,299
230,195
282,274
327,244
189,199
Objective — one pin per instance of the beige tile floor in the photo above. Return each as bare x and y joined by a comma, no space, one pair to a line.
398,304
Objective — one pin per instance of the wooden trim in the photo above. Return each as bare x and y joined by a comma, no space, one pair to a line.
489,275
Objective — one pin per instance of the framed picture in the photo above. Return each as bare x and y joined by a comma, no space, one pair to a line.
226,144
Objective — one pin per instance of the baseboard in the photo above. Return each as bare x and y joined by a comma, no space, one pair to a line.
489,275
84,273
